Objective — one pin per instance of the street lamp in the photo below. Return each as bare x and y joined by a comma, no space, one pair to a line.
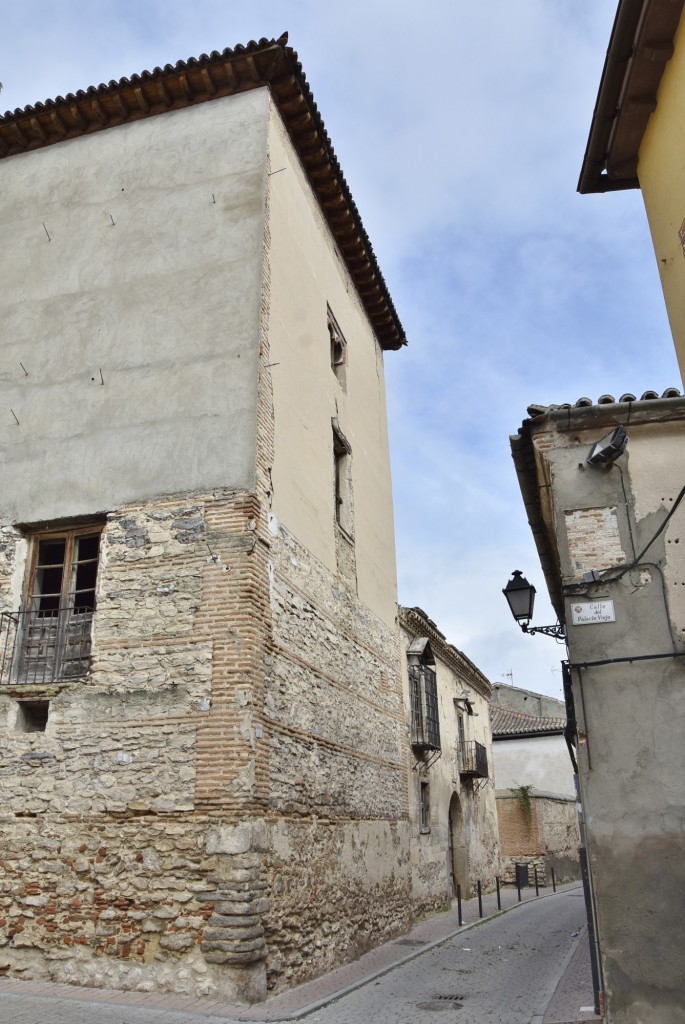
520,595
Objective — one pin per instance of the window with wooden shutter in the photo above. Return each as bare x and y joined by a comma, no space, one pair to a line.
53,628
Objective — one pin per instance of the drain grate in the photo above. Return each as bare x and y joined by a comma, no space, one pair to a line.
410,942
442,1003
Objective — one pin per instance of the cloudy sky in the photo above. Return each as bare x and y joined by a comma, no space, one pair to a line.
461,129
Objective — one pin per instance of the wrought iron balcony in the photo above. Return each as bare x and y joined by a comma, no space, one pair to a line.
473,759
42,647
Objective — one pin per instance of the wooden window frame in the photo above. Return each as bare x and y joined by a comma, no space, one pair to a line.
70,534
52,632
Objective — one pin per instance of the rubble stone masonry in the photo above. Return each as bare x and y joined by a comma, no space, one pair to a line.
112,870
226,785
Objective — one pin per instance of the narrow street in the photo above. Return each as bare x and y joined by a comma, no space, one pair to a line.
504,971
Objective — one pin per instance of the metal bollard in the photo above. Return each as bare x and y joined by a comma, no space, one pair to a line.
499,895
535,876
554,881
461,920
480,899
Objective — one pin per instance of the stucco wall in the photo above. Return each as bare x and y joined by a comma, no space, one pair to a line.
631,755
132,257
307,274
474,837
540,761
528,701
661,170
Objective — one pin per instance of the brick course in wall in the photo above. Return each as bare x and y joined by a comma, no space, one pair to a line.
594,539
546,837
142,753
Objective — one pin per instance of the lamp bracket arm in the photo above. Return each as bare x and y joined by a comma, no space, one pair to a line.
558,631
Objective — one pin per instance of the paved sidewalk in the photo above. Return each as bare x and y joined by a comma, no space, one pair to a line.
572,1002
573,999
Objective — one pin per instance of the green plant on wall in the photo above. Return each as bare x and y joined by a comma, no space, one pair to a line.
522,794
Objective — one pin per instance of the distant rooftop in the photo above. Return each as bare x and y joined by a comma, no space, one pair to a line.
509,724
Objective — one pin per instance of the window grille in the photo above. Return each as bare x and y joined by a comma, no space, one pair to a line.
425,722
49,638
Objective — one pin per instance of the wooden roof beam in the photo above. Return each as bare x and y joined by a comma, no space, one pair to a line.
38,129
141,99
208,81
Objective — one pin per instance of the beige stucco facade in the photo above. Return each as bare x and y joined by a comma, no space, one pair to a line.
539,761
661,170
308,277
614,536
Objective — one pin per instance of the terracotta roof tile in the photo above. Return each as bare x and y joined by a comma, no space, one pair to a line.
585,403
507,722
267,63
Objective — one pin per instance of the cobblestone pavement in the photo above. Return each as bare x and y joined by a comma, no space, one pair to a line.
507,969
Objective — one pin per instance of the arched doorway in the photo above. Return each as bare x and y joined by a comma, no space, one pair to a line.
458,853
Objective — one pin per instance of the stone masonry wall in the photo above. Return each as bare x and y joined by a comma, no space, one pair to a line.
339,867
112,871
337,889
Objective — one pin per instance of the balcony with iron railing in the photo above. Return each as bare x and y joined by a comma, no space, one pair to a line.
473,759
46,646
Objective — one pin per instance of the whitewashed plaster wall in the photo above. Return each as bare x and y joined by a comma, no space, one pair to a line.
539,761
131,256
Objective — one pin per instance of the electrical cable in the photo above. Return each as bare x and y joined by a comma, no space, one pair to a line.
583,585
638,558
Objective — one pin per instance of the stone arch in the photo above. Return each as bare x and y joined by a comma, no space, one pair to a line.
458,849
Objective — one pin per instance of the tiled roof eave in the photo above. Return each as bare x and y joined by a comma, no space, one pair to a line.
267,63
509,724
415,621
525,735
640,46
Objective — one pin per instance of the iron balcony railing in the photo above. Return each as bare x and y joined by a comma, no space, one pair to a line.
473,759
45,646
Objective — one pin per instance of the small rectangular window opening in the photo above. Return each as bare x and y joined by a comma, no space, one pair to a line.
425,807
338,348
32,715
